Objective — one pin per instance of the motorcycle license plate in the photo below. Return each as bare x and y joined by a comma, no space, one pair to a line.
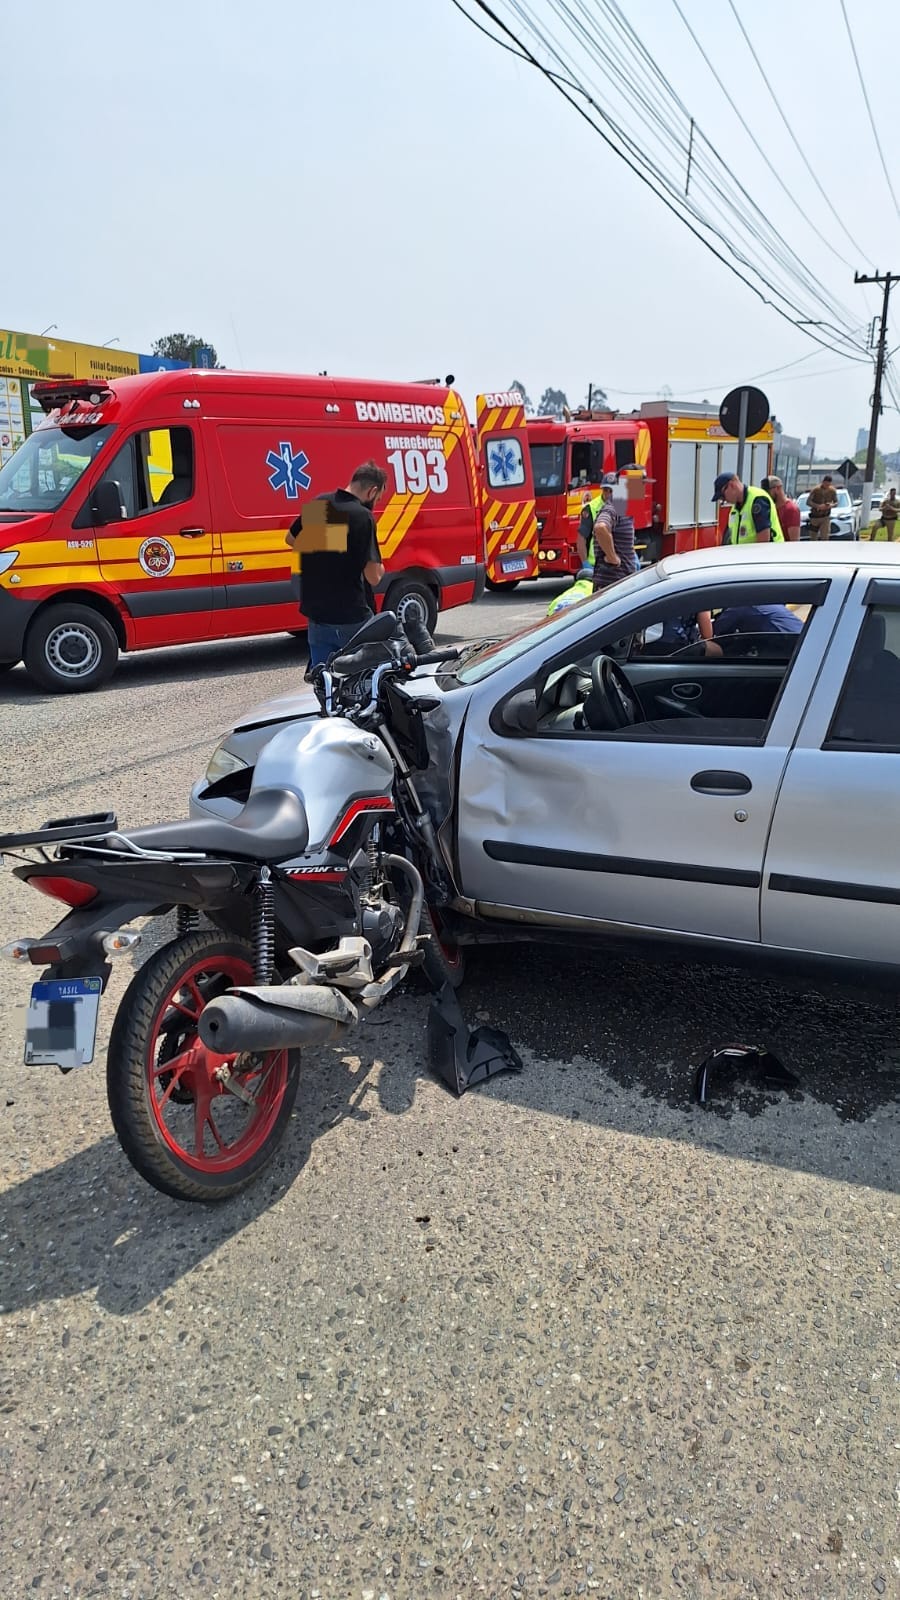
61,1025
514,564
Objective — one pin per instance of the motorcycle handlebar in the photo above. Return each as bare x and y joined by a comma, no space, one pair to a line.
432,657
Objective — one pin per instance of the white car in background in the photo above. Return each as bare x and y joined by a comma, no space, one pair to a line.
844,516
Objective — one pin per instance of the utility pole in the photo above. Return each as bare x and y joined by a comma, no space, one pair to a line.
888,279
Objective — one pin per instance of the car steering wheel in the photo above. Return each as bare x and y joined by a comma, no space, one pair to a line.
613,695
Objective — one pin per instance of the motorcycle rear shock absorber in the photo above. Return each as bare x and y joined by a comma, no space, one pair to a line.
264,926
186,919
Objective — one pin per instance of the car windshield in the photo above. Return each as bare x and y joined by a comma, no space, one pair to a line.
491,657
547,461
47,466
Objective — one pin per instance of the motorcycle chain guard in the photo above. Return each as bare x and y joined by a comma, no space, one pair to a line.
462,1056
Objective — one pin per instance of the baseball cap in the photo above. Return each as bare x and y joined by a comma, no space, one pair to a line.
609,481
720,483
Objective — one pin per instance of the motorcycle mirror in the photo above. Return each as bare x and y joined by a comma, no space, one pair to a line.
378,630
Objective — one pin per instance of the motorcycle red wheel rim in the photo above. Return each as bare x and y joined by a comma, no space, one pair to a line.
215,1131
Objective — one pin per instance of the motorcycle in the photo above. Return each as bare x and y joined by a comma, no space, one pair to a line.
320,897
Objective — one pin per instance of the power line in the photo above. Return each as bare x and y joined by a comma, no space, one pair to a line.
487,33
605,51
865,93
764,234
760,151
632,151
637,69
711,388
796,142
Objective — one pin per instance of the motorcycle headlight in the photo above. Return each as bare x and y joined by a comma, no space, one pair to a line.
222,763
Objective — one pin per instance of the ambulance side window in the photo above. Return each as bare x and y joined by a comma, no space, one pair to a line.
154,469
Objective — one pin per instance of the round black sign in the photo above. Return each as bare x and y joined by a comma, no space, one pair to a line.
757,411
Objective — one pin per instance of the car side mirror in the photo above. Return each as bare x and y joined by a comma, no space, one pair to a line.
519,713
654,633
107,504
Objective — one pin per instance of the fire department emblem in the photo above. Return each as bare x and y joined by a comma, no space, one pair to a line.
156,557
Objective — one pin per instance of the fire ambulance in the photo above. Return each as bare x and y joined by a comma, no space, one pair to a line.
152,510
668,455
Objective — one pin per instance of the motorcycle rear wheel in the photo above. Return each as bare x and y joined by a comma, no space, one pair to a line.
176,1120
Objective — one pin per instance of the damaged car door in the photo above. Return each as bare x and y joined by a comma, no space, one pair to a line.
659,824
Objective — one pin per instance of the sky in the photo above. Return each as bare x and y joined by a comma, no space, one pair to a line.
372,188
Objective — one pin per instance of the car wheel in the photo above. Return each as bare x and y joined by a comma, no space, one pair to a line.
413,601
69,649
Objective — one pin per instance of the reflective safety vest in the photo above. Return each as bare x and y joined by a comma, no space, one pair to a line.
581,589
741,530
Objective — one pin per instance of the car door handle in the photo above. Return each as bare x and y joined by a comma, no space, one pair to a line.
191,533
716,782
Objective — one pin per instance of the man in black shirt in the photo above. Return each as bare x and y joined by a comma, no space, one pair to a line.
340,562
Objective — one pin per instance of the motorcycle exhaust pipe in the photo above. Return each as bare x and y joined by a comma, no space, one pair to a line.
285,1017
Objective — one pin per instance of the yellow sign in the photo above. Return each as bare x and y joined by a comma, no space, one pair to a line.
699,428
29,356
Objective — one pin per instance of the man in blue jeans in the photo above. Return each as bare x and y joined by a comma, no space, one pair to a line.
340,562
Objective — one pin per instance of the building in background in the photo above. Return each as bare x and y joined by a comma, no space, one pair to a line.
862,439
27,358
787,461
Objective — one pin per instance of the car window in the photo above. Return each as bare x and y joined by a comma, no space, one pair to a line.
154,469
685,674
868,711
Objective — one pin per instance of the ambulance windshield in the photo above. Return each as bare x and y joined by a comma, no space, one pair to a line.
44,469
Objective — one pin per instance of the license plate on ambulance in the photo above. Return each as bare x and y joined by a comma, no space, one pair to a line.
514,564
61,1026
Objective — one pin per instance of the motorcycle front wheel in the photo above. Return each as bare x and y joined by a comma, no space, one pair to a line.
172,1101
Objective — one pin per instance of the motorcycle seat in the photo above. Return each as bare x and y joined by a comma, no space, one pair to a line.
273,826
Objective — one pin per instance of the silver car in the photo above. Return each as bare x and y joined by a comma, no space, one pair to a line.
706,754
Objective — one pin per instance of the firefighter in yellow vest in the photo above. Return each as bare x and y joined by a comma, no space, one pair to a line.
753,518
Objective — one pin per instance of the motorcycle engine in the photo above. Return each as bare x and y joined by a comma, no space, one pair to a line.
383,926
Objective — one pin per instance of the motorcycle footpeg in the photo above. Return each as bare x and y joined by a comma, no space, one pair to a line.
352,957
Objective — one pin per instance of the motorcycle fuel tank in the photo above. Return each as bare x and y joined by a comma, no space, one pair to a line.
329,763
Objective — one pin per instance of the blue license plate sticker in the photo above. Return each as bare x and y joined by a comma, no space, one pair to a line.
514,563
61,1025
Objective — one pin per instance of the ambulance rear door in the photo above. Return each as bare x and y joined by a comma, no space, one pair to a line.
510,516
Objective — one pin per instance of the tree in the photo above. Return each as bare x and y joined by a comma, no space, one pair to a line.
595,399
183,347
880,464
517,384
551,403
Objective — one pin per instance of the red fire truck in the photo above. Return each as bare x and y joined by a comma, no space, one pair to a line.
152,510
669,455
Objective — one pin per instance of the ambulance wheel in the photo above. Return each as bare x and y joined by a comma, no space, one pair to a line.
69,649
411,599
502,588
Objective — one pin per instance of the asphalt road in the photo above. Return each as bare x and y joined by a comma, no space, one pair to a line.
568,1335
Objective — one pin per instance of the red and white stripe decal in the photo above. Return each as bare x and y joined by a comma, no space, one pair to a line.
298,874
374,802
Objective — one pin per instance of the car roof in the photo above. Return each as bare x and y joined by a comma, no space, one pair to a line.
790,556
